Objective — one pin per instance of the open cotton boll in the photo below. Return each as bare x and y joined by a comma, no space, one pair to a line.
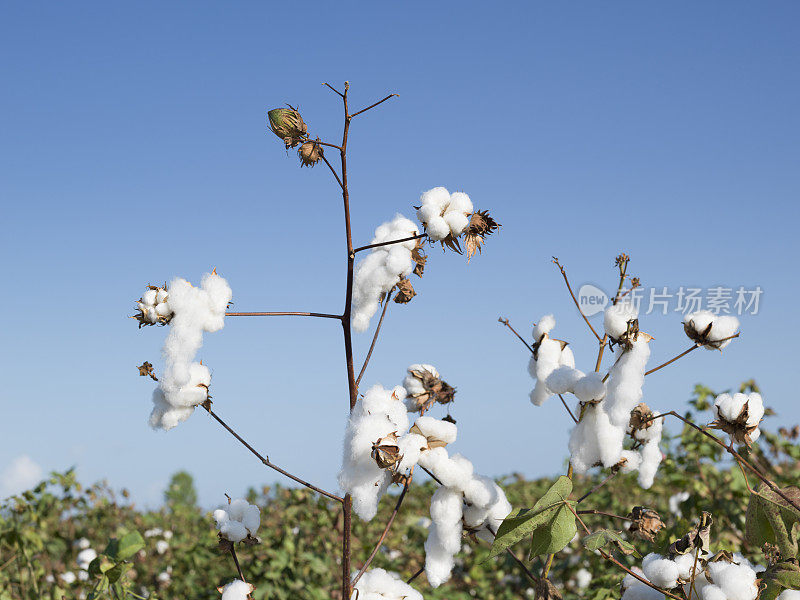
789,595
436,429
590,388
379,413
729,407
724,327
238,520
700,320
547,360
236,590
459,201
438,564
378,584
150,297
625,381
85,557
736,582
410,446
567,358
428,212
437,229
651,459
184,383
545,325
438,196
616,317
660,571
457,222
454,472
563,379
594,439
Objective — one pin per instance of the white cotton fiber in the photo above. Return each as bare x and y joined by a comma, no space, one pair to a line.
660,571
184,383
735,582
616,318
377,584
789,595
379,413
548,358
444,214
625,381
436,429
378,272
595,440
238,520
590,388
563,379
722,327
633,589
237,590
545,325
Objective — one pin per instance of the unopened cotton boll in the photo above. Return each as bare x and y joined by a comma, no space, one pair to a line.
237,590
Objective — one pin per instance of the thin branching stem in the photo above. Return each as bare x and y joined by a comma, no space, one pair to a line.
729,449
612,559
374,337
363,110
266,460
335,174
591,511
623,269
383,535
390,242
574,299
419,572
685,352
283,314
334,89
597,487
238,567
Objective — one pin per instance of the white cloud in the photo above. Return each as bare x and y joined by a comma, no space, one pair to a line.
19,475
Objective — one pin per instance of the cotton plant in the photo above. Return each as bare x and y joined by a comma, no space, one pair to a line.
616,430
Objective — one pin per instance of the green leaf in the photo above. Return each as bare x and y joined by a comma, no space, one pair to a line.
550,521
125,547
770,519
602,538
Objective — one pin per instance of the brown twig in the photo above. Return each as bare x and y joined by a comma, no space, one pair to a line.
363,110
729,448
334,89
236,562
266,461
415,575
685,352
374,338
282,314
597,487
383,535
591,511
335,174
574,299
390,242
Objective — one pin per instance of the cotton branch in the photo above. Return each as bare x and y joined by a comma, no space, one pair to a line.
207,405
685,352
374,338
390,242
574,299
363,110
283,314
383,535
739,458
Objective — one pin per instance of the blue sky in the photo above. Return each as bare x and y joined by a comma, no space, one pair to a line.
134,149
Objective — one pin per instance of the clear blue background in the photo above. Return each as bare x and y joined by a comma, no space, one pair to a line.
134,149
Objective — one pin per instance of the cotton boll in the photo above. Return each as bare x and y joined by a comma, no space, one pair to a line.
481,491
233,531
429,211
399,261
237,590
163,309
789,595
161,295
651,458
436,429
457,222
616,317
700,320
582,578
625,381
85,557
590,388
545,325
755,409
438,196
459,201
660,571
737,582
567,359
563,379
724,327
437,229
410,447
377,584
438,565
633,461
149,297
